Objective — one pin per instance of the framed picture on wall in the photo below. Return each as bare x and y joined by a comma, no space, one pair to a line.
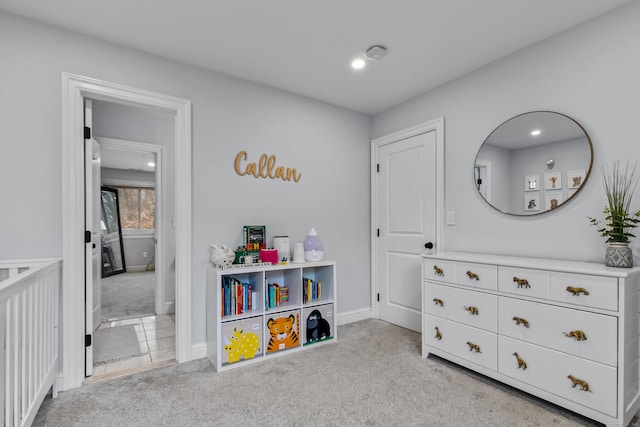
575,179
553,199
531,202
552,180
531,182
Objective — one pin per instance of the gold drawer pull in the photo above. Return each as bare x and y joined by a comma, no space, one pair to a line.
584,386
521,321
439,302
577,334
438,334
472,310
473,275
521,363
522,283
577,291
473,347
438,271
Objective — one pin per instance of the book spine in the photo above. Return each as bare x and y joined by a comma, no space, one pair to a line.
227,298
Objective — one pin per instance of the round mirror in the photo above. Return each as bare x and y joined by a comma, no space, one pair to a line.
533,163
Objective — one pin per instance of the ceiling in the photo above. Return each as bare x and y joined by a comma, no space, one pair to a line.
306,47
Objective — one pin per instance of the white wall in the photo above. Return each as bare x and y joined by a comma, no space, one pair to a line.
328,145
589,73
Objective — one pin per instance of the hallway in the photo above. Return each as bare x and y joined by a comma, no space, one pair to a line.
131,337
156,347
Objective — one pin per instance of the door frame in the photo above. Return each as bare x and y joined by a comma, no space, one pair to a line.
75,89
436,125
161,306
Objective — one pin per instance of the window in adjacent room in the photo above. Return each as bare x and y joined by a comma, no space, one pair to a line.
137,208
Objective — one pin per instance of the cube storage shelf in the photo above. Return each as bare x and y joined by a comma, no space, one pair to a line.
259,312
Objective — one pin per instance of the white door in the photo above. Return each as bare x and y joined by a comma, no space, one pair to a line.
93,247
406,214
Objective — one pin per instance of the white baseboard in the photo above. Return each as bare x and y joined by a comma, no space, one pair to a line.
355,316
136,268
199,351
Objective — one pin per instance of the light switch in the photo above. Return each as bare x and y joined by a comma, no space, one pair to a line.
451,218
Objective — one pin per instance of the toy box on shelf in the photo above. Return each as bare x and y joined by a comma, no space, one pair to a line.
267,301
317,323
242,340
282,330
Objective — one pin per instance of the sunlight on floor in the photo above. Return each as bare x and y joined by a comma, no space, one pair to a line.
157,340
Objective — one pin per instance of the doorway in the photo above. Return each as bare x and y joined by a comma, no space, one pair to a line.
136,331
407,203
75,89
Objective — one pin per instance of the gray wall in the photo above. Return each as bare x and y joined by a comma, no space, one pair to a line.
328,145
589,73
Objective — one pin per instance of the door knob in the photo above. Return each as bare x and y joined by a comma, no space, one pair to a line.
428,245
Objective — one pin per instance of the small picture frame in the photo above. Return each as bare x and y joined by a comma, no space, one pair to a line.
254,237
531,182
531,202
553,180
553,199
575,179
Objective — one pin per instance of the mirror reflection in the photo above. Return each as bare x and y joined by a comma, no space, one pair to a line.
112,247
533,163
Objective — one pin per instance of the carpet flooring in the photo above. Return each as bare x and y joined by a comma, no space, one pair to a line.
128,295
373,375
117,343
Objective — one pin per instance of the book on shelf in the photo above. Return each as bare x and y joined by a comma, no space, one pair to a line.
311,290
236,296
275,295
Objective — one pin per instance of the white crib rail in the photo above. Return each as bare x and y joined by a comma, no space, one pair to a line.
29,320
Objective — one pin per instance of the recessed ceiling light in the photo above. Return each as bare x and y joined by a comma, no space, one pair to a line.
535,132
358,64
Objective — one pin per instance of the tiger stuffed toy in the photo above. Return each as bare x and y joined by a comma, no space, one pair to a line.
282,333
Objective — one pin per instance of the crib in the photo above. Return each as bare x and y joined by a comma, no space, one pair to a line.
29,330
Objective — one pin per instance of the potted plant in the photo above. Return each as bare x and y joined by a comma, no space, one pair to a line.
619,187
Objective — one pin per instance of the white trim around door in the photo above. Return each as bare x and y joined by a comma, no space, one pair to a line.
436,125
74,90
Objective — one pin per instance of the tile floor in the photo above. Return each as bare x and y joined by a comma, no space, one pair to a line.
157,339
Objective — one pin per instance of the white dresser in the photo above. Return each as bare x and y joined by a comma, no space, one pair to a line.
564,331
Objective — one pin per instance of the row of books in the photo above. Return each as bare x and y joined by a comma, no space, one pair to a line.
276,295
237,297
311,290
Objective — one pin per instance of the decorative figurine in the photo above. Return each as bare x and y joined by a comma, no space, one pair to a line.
221,255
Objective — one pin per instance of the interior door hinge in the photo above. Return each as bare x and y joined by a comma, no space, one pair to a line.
87,132
87,236
378,297
378,232
87,340
378,167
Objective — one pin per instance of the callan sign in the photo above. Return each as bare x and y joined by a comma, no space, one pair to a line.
265,168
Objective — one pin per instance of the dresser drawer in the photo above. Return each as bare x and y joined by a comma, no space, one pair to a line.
549,370
524,282
474,345
588,335
482,276
588,291
472,308
439,270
